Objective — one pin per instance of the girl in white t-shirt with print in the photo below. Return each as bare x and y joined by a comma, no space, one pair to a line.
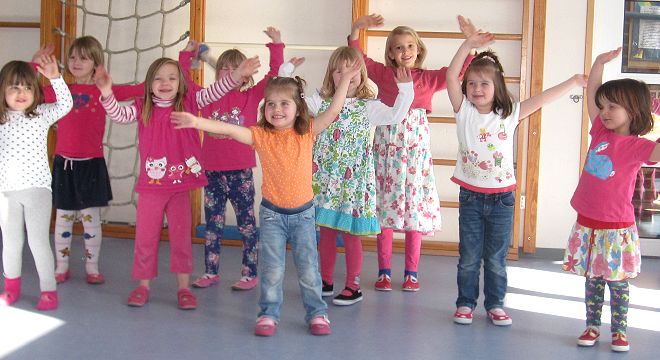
486,118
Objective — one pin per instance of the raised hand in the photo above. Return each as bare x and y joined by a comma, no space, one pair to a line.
349,70
367,21
47,49
297,61
274,34
246,69
403,74
103,80
47,66
183,120
608,56
466,26
480,39
192,45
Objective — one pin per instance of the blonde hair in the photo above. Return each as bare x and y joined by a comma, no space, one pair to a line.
340,56
294,87
148,103
87,47
233,58
19,73
405,30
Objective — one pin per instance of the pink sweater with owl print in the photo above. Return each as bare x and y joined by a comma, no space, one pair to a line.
169,157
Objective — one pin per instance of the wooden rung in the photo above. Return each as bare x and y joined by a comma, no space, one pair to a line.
444,162
19,24
445,35
442,120
512,79
449,204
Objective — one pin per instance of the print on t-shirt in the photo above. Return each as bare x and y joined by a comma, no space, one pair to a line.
599,165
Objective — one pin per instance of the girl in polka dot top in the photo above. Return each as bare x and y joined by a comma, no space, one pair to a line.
25,194
283,139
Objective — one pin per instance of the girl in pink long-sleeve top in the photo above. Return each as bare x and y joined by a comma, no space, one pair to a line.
169,168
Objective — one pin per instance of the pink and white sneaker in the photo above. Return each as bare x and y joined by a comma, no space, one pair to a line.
206,280
245,283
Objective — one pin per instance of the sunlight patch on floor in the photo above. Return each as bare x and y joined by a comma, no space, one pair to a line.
20,327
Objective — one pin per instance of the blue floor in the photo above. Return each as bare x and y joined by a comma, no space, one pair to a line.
93,322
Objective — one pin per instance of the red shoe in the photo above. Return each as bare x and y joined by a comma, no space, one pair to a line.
265,326
206,280
384,283
245,283
62,277
589,337
12,291
186,299
410,283
620,342
500,320
463,318
320,325
139,296
47,301
95,279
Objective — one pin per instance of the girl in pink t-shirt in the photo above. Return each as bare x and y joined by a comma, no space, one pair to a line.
169,168
604,243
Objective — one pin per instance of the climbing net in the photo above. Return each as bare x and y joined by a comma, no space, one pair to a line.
133,34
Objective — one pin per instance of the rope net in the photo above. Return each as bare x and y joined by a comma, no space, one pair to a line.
133,34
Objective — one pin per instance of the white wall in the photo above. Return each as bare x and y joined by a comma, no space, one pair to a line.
19,43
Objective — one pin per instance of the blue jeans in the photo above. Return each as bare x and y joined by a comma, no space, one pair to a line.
296,227
485,223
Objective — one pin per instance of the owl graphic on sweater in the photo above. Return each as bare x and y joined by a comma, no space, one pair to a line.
156,169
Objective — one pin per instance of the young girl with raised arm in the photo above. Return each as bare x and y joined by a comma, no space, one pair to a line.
81,183
25,195
283,139
343,181
169,168
230,177
604,243
486,118
406,197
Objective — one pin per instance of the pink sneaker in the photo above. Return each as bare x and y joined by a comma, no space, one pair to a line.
186,299
384,283
95,279
320,325
47,301
499,319
12,291
463,318
139,296
62,277
245,283
265,326
206,280
410,283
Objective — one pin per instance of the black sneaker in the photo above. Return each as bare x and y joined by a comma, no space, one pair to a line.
341,299
327,290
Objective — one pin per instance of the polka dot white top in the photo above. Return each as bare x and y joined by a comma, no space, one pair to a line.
23,143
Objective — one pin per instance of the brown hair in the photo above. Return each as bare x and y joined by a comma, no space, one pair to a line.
339,56
488,64
405,30
232,58
19,73
632,95
294,87
148,103
87,47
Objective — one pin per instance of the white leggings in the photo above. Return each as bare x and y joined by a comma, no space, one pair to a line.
32,208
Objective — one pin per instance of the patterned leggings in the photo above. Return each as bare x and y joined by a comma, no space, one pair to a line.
594,297
236,186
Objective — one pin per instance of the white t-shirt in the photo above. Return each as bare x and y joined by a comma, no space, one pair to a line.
485,154
23,143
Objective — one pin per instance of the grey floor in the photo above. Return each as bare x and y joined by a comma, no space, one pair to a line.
93,322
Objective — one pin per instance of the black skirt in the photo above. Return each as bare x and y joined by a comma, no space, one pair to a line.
80,184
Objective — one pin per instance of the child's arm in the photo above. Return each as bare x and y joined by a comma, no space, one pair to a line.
377,71
529,106
381,114
184,120
364,22
324,119
117,113
454,90
596,79
655,155
221,87
47,66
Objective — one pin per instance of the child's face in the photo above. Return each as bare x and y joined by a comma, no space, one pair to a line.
223,71
19,97
614,117
403,50
81,67
280,110
166,82
356,80
480,91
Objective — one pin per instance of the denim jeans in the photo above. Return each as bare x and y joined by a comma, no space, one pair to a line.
485,224
296,227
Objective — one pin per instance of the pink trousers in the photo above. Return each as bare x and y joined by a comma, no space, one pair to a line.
328,253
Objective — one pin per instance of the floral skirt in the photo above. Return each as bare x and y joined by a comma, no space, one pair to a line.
613,254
